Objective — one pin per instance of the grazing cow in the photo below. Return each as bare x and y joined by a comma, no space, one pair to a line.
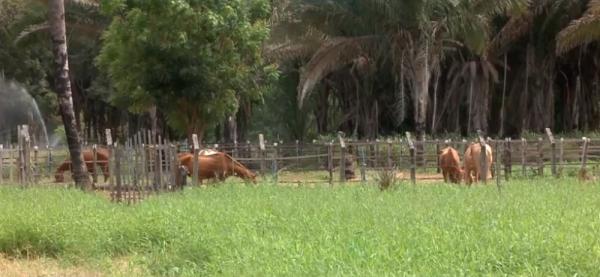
102,156
450,165
473,168
217,165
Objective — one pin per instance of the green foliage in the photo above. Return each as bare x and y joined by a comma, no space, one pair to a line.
192,59
534,228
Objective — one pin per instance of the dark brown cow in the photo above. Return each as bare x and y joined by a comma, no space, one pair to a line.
102,156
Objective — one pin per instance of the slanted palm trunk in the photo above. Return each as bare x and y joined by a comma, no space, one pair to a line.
63,89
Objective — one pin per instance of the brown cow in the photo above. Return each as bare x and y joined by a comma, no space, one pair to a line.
216,165
102,156
473,169
450,165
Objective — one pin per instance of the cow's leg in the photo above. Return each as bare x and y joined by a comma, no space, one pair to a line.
445,173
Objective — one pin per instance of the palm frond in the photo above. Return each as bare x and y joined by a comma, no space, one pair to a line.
32,29
580,31
514,29
331,56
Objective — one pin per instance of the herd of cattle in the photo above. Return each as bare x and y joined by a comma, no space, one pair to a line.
219,165
471,170
211,165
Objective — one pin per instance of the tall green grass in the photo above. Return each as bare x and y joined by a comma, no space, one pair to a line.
543,227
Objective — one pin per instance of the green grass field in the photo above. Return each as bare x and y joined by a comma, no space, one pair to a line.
540,228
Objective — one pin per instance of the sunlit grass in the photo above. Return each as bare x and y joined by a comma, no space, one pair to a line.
542,227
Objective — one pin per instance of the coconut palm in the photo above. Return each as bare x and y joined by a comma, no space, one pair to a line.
409,37
56,15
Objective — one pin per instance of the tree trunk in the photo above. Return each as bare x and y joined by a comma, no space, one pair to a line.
422,92
63,89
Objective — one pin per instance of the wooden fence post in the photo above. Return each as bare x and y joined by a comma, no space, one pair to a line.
584,154
94,161
497,165
261,145
483,157
36,168
49,161
376,146
330,162
235,149
389,154
507,158
524,157
363,164
540,148
12,161
561,155
176,183
297,153
553,148
413,159
342,158
437,156
195,169
275,165
2,163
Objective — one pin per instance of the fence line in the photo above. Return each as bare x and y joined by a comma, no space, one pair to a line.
146,163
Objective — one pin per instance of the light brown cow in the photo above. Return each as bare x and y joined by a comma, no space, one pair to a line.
473,168
450,165
217,165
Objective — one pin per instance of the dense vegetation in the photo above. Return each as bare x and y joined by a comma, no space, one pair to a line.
546,227
364,67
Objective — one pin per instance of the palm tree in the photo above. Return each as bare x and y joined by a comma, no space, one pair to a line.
56,14
406,36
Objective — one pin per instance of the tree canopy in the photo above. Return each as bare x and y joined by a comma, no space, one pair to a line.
194,60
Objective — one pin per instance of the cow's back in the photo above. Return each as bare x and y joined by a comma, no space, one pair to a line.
473,159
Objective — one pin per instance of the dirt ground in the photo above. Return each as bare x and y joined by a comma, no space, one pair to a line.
41,267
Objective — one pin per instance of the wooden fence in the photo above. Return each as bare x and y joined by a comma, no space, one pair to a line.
147,163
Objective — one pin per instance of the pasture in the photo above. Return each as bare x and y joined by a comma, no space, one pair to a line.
538,227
